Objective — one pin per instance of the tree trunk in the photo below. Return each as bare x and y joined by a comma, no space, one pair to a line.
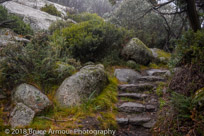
192,15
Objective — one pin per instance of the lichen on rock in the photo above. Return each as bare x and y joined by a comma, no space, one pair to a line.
90,80
137,51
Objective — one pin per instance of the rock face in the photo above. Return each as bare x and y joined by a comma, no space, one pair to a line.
21,116
37,19
137,51
127,75
160,55
38,4
90,80
31,97
7,36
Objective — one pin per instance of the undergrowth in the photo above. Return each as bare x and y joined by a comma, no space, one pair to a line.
102,109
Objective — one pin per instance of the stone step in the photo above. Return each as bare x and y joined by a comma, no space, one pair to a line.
149,124
136,87
134,95
158,72
135,120
151,78
133,107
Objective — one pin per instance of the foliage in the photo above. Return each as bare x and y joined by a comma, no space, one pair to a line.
51,9
189,50
160,87
34,62
183,105
149,27
58,25
90,40
85,17
133,65
16,24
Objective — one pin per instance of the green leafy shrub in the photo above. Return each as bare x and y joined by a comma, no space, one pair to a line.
16,23
51,9
188,112
90,40
34,62
132,64
189,50
85,17
58,25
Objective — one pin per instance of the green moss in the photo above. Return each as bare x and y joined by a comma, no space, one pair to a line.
108,120
51,9
164,54
141,44
102,108
40,124
160,87
162,103
108,97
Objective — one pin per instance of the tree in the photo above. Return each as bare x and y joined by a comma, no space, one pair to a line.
153,28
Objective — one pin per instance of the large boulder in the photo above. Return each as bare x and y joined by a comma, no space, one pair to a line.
90,80
160,55
127,75
136,50
21,116
31,97
38,4
37,19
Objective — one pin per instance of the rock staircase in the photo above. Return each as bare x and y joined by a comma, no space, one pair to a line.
138,104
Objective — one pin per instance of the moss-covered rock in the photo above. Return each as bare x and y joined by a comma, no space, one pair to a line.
89,81
137,51
160,55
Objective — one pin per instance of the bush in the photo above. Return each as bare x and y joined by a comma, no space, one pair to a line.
91,40
34,62
58,25
189,50
188,113
85,17
51,9
16,24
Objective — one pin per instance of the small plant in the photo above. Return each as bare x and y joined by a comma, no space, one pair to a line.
51,9
159,90
133,65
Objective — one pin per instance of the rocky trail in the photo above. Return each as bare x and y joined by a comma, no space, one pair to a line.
138,103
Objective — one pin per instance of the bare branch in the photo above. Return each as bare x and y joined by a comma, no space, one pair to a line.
155,7
6,22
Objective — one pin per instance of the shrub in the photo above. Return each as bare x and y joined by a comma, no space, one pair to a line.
85,17
90,40
58,25
189,50
16,24
187,110
34,62
51,9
